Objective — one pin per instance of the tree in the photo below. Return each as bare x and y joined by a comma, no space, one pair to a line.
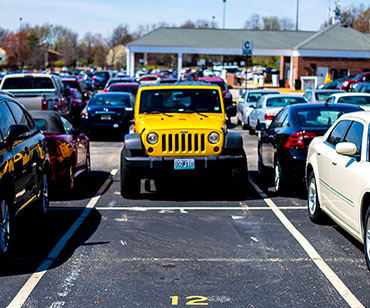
362,22
254,23
200,23
3,34
268,23
15,45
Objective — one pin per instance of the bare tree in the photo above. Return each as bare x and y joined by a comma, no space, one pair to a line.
254,23
3,34
362,22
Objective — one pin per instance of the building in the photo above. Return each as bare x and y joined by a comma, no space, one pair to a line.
337,49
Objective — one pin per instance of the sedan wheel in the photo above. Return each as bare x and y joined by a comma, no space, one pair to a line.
4,226
70,179
314,211
279,179
367,238
44,195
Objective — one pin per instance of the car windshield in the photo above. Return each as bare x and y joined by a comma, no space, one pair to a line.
323,96
323,116
255,96
132,90
355,100
284,101
28,83
178,100
358,76
110,100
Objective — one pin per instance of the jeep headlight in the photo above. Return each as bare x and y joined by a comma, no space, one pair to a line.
214,137
152,138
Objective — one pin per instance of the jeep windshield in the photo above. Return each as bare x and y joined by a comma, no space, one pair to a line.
180,101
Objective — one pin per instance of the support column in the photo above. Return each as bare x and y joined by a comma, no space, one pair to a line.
179,65
132,64
291,77
128,64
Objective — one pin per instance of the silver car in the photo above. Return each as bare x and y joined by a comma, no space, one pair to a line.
247,103
320,96
268,106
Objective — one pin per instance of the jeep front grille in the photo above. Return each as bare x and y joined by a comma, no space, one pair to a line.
183,143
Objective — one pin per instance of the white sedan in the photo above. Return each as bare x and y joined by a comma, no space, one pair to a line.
268,106
337,172
360,99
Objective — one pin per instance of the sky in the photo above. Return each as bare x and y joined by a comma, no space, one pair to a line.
102,16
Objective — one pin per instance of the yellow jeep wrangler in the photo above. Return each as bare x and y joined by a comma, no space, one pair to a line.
180,129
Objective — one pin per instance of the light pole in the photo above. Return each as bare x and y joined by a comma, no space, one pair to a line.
296,22
213,21
223,24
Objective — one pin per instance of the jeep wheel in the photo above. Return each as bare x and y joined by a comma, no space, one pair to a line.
130,182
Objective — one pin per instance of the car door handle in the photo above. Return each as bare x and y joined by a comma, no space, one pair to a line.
333,163
318,153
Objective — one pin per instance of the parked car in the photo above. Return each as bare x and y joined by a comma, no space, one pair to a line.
24,165
335,84
319,96
362,87
108,112
79,84
38,91
268,106
247,102
117,80
78,104
226,95
337,172
100,79
282,147
149,79
69,149
360,99
131,87
363,77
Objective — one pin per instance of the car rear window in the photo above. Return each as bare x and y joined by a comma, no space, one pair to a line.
71,84
221,84
355,100
254,97
180,100
102,74
323,96
110,100
323,117
28,83
284,101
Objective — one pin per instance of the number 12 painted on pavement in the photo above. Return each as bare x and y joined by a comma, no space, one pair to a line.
193,301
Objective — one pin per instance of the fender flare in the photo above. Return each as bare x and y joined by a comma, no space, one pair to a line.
133,142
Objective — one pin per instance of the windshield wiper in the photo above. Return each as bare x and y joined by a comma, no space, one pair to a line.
157,112
192,111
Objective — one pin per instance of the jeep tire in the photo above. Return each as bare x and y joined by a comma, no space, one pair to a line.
130,182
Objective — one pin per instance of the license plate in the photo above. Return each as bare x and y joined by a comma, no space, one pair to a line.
184,164
106,117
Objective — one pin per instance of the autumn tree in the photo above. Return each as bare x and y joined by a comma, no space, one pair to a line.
16,47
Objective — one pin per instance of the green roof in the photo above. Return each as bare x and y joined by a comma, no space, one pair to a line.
221,38
335,37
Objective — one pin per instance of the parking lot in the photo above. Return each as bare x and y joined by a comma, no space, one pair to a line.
194,246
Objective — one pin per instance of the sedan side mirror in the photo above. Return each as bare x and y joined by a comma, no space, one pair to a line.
346,148
15,132
231,111
261,127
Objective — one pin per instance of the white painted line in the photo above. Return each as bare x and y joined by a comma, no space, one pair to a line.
31,283
171,209
337,283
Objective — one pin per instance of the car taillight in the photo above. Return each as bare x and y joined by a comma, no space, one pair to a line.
296,141
44,104
105,90
92,78
270,116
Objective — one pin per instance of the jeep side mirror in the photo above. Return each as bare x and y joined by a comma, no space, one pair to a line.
231,111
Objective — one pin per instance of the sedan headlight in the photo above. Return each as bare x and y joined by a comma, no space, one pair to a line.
214,137
152,138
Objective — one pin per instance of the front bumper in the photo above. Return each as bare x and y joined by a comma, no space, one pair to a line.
155,164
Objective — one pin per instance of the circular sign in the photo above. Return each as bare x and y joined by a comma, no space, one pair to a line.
247,45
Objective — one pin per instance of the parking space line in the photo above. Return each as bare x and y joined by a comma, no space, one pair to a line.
31,283
337,283
199,208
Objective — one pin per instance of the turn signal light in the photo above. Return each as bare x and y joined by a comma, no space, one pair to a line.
44,104
296,141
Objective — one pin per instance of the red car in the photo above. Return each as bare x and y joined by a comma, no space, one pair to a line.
363,77
228,98
69,150
79,84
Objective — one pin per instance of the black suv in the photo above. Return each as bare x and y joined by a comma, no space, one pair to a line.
100,79
24,165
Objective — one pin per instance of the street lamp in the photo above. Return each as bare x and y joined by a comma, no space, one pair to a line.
213,21
223,24
296,22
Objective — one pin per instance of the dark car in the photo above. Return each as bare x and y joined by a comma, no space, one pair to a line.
282,147
117,80
24,168
108,112
79,84
131,87
227,97
69,149
100,79
335,84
